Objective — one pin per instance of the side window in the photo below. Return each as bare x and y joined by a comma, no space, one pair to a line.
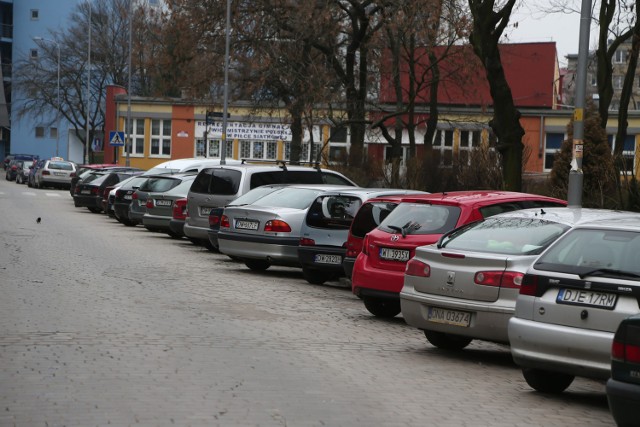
303,177
333,212
491,210
265,178
201,183
225,181
332,178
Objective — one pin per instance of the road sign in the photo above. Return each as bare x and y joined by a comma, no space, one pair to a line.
116,139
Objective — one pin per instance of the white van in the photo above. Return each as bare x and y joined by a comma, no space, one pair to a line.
187,165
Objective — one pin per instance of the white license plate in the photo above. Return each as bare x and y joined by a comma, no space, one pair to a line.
327,259
205,210
247,225
60,174
163,202
587,298
85,192
448,317
394,254
127,197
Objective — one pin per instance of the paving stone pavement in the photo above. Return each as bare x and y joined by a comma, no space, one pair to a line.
102,324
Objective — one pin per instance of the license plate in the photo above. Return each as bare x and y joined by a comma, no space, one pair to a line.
327,259
587,298
85,192
163,202
394,254
205,210
59,174
247,225
127,197
449,317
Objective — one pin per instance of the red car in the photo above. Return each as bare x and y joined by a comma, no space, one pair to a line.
378,273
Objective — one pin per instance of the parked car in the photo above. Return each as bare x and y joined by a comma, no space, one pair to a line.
178,217
323,237
369,216
90,195
55,172
267,232
623,388
218,186
251,197
10,157
31,179
161,199
154,184
22,171
84,170
123,198
177,166
110,196
378,273
465,286
572,300
12,169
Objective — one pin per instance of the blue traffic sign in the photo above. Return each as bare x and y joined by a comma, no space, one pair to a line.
116,139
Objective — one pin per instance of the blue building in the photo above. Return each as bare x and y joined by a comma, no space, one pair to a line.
22,21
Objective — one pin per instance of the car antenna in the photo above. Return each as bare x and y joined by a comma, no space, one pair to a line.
542,212
283,164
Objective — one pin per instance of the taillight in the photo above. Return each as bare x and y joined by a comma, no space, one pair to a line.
46,173
73,174
417,268
529,285
134,196
626,344
214,220
224,222
365,245
14,168
95,190
306,241
179,209
77,189
120,193
149,204
503,279
277,226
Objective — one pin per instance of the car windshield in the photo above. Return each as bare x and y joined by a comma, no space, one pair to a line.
159,184
421,218
27,164
612,253
253,195
511,236
98,180
161,171
333,212
134,182
61,166
296,198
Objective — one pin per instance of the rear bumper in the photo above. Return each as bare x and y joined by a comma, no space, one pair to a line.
199,233
624,401
213,237
276,250
156,221
365,278
574,351
307,258
347,265
177,226
82,201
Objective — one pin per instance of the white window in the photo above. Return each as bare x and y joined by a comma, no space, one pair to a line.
403,156
305,153
617,82
628,152
35,14
594,80
259,150
443,145
620,56
469,140
160,138
136,134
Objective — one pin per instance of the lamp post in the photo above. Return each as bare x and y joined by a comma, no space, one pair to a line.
88,102
58,102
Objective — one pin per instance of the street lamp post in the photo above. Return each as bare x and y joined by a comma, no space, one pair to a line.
58,102
88,102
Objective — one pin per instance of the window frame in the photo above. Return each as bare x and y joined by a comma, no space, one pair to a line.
161,138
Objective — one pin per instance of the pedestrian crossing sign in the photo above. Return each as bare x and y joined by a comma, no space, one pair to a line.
116,139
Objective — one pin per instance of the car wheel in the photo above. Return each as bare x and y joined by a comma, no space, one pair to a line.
29,184
207,244
174,235
315,277
95,210
381,307
257,264
547,381
447,341
17,179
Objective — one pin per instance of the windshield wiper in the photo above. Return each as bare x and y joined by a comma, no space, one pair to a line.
609,271
396,229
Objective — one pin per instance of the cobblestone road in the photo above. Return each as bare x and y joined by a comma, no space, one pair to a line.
102,324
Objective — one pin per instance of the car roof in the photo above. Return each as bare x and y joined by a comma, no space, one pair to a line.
325,187
371,193
472,197
183,163
574,216
621,220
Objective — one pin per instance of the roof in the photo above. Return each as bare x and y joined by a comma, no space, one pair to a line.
573,215
472,197
530,69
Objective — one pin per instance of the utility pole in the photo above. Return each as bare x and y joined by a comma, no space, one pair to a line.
128,127
88,102
574,192
223,142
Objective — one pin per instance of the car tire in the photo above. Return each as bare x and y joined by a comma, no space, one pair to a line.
257,264
381,307
547,381
315,277
95,210
447,341
174,235
207,244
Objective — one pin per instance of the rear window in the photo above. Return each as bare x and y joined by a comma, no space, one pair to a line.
310,176
511,236
370,216
253,195
333,212
225,182
66,166
159,185
134,183
296,198
421,218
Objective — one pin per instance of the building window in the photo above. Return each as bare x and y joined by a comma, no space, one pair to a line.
443,146
403,156
620,57
136,135
553,143
594,80
39,131
305,153
617,82
160,138
469,140
53,132
35,14
33,53
339,134
628,152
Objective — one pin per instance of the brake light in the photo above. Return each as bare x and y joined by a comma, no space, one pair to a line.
502,279
307,242
95,190
77,189
365,245
224,222
417,268
179,209
529,285
72,175
214,220
351,249
14,167
277,226
134,196
46,173
626,344
120,193
149,204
